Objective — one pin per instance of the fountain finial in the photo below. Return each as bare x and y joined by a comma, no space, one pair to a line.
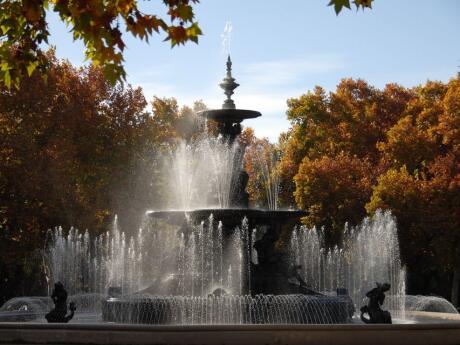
229,67
228,85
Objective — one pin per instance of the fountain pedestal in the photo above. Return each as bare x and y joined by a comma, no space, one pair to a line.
229,125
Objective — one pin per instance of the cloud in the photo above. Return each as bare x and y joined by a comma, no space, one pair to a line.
279,73
156,89
269,126
262,102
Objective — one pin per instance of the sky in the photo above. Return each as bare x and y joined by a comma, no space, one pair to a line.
282,49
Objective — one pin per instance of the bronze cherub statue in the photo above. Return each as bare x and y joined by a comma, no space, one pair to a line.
376,298
58,314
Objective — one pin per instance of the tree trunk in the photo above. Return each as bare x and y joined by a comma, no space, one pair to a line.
455,286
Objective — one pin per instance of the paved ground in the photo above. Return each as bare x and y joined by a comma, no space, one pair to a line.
105,334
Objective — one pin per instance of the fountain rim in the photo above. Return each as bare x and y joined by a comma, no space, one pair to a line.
253,211
229,115
229,215
97,333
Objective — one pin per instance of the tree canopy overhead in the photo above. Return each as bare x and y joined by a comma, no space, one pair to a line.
100,24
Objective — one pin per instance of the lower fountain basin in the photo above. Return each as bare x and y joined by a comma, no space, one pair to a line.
231,217
222,310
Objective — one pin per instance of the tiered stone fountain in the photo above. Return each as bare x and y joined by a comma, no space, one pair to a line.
269,274
266,277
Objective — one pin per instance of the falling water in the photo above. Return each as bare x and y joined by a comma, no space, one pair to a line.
200,175
226,37
266,161
369,254
229,309
192,261
429,303
159,259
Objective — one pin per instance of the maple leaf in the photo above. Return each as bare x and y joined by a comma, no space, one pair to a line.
339,4
363,3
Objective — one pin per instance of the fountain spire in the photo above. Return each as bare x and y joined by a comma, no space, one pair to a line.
229,85
229,118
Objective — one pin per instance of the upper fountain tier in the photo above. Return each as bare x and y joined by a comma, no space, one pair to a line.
229,118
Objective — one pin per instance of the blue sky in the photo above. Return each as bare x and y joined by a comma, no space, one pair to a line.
282,49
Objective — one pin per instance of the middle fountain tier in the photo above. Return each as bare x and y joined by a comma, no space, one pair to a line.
265,261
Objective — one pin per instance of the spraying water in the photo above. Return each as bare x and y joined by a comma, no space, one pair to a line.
159,259
230,309
162,259
226,37
265,160
200,175
369,253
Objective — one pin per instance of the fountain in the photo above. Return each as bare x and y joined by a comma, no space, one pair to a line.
212,260
217,261
217,242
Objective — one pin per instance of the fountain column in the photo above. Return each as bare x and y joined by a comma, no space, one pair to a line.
229,125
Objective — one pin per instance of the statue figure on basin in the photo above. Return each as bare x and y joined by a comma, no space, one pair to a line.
58,314
373,308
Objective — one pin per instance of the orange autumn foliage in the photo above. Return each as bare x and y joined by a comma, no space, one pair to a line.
358,149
